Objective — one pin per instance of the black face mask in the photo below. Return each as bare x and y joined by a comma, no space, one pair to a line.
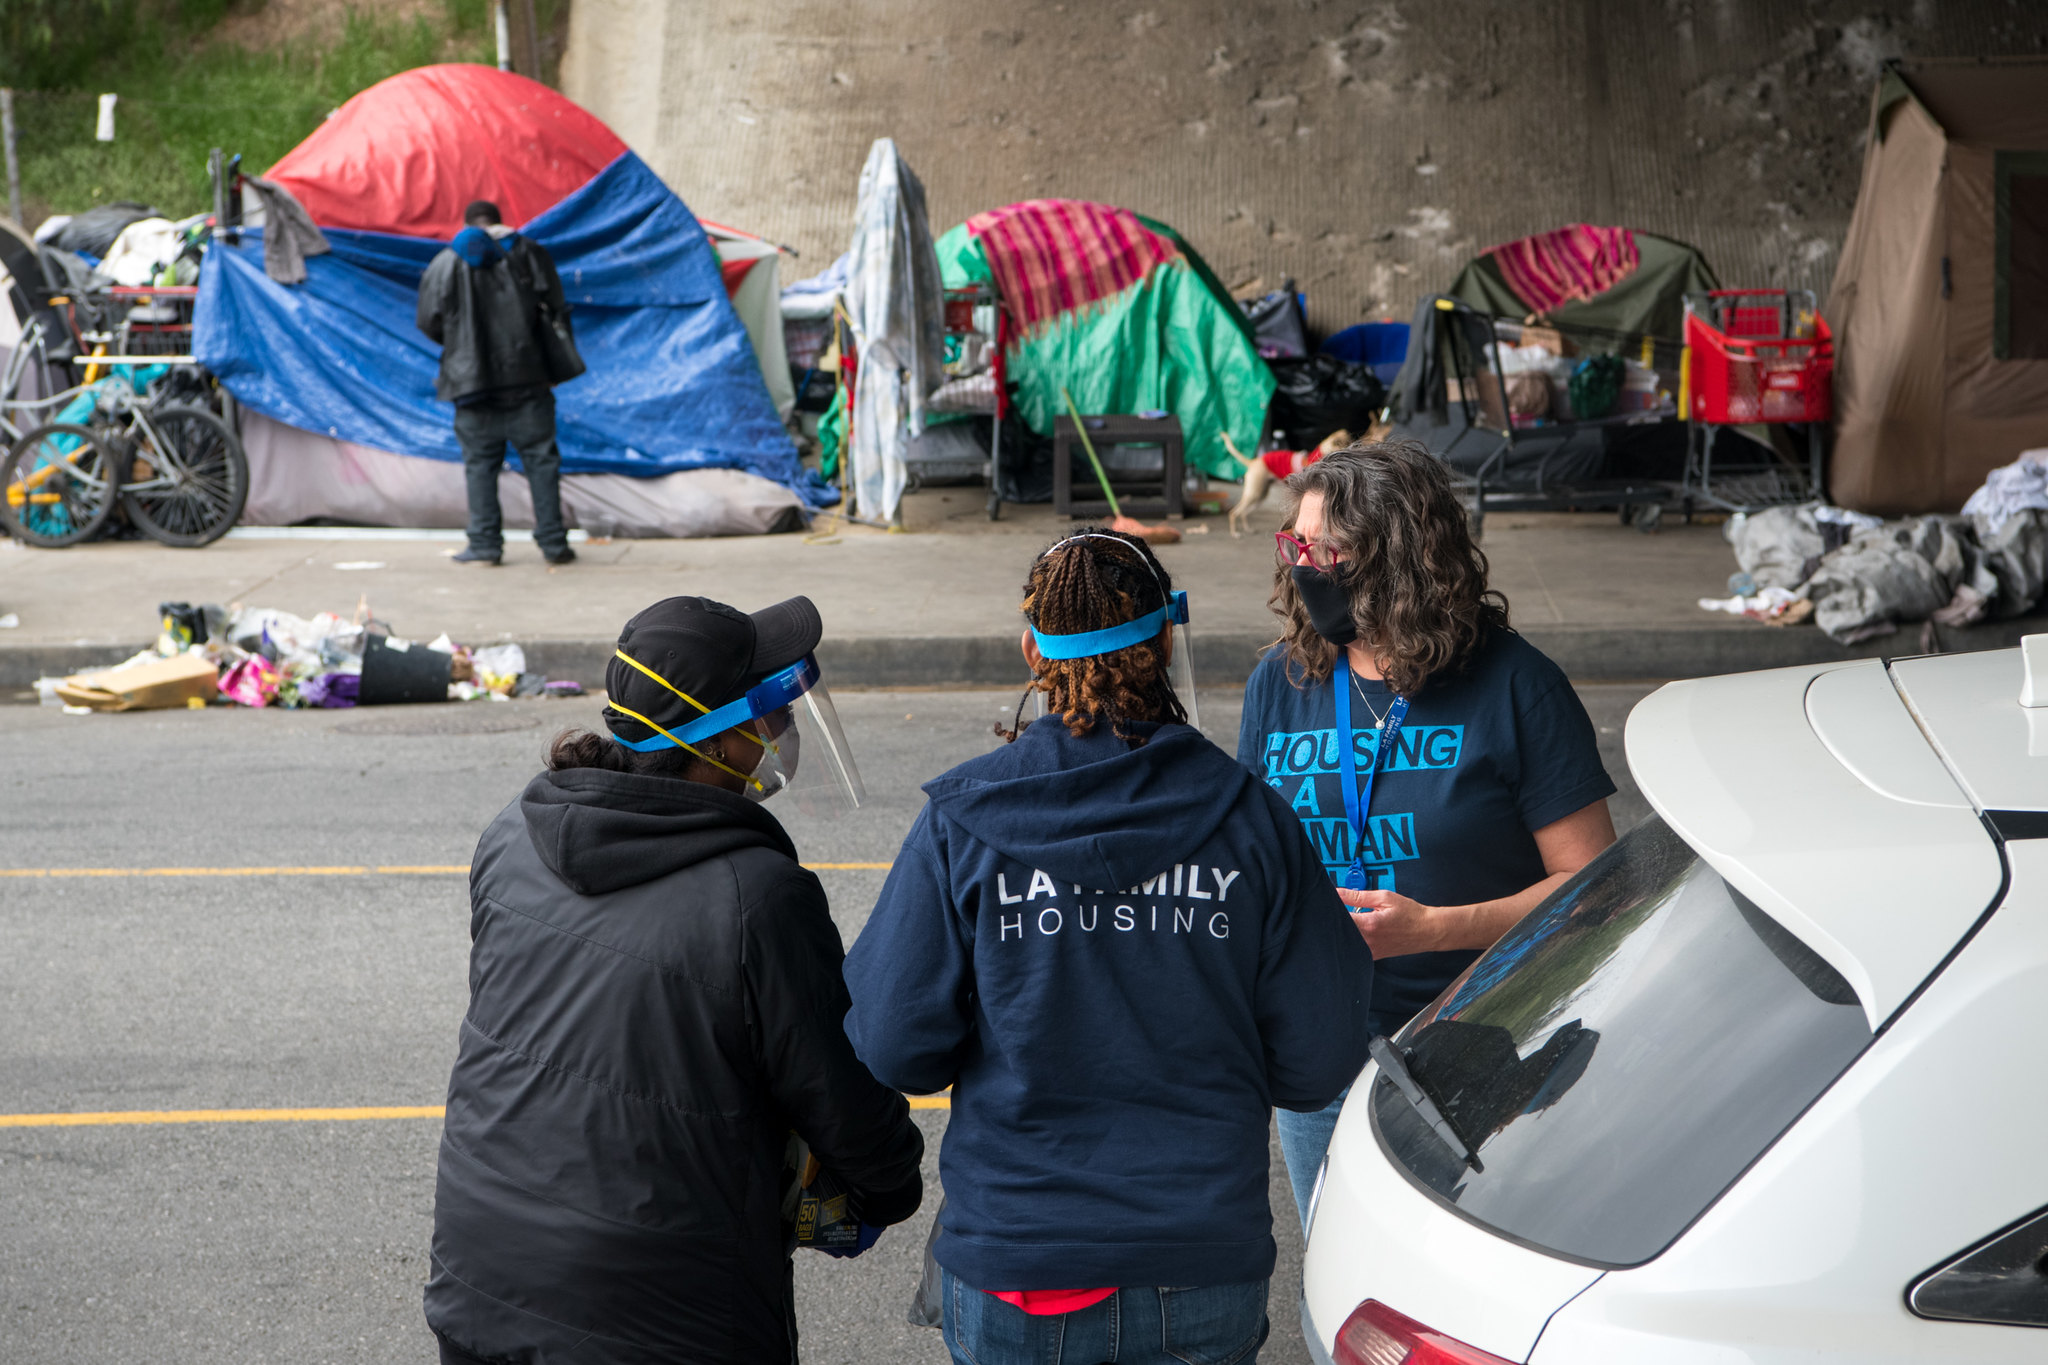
1327,603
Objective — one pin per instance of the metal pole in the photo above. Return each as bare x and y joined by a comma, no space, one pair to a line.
13,161
504,37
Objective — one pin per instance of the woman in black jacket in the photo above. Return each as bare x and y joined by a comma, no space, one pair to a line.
655,1005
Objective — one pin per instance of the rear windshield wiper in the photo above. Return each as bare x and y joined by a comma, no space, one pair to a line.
1394,1066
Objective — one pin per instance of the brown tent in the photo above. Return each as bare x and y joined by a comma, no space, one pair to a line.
1940,302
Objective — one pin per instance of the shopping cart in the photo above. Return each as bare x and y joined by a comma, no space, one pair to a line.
1454,395
1755,356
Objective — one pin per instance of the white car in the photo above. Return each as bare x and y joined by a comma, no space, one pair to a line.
1767,1081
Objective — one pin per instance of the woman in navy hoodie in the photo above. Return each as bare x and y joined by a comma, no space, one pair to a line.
1120,951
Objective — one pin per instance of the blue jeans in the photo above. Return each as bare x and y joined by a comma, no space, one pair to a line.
1220,1324
529,428
1304,1141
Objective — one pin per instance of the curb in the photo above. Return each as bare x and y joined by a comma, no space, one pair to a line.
1585,653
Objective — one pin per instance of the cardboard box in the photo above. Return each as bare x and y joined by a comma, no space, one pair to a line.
163,683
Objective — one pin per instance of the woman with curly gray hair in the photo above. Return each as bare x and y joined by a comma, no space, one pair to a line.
1443,768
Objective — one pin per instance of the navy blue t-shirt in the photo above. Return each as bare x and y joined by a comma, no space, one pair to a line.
1485,757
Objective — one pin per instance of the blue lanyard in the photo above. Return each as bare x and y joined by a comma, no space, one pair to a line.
1357,800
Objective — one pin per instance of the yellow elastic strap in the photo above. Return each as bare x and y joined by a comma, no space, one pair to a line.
679,692
626,711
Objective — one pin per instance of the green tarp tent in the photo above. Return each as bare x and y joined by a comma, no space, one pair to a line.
1122,312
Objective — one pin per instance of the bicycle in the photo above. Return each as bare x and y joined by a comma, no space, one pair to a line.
175,468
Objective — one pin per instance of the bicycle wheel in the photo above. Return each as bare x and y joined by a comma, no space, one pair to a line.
60,483
190,477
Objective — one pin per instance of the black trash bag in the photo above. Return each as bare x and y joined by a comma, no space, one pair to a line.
1278,328
93,232
1322,394
1025,471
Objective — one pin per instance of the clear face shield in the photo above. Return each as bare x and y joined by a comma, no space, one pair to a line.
1180,669
805,752
803,748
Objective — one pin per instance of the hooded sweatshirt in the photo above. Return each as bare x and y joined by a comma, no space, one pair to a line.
1120,959
655,1003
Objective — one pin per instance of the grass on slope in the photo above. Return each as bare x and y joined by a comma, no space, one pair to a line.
182,93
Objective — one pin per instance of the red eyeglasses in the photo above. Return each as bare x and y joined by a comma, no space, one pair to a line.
1318,556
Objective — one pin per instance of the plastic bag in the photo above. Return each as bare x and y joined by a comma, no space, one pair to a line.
498,667
252,682
1278,328
1322,394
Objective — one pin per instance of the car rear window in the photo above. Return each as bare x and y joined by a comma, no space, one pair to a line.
1620,1057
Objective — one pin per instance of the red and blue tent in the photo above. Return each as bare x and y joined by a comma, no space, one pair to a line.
673,381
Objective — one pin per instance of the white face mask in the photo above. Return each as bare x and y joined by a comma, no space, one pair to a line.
778,766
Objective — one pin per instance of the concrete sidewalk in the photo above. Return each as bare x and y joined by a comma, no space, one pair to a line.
934,606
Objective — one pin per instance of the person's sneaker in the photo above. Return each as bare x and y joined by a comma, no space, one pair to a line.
471,555
567,556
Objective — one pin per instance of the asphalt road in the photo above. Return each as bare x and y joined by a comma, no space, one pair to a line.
305,1241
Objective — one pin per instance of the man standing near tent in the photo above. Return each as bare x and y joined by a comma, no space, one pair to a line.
494,302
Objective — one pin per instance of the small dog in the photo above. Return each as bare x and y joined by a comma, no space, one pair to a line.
1258,476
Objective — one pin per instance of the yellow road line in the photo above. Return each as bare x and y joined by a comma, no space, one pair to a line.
388,869
185,871
132,1116
129,1117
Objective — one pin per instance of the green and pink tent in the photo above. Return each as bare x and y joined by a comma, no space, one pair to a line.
1122,312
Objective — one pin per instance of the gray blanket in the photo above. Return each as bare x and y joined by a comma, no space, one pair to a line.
1954,570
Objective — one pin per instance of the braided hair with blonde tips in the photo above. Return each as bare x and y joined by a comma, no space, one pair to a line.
1092,580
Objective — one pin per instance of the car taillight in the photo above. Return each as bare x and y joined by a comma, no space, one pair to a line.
1376,1335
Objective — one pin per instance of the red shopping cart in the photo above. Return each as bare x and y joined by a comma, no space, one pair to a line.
1755,356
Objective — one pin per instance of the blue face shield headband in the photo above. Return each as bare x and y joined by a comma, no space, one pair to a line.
788,714
1088,643
1108,640
1112,638
772,694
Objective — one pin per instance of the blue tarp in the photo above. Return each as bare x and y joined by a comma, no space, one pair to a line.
673,381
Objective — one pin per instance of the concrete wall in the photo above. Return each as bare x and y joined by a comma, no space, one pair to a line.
1365,148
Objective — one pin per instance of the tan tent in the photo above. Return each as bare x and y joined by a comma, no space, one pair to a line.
1940,302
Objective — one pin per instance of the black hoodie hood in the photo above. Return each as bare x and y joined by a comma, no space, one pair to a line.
602,831
1094,810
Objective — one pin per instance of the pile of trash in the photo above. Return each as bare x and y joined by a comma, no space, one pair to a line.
259,656
1858,577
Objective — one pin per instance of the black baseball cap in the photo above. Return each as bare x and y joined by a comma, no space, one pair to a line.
704,648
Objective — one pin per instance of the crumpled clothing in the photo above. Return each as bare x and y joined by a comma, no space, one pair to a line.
1864,576
896,302
289,233
1782,546
2021,486
1778,547
812,299
1903,571
1954,570
144,247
